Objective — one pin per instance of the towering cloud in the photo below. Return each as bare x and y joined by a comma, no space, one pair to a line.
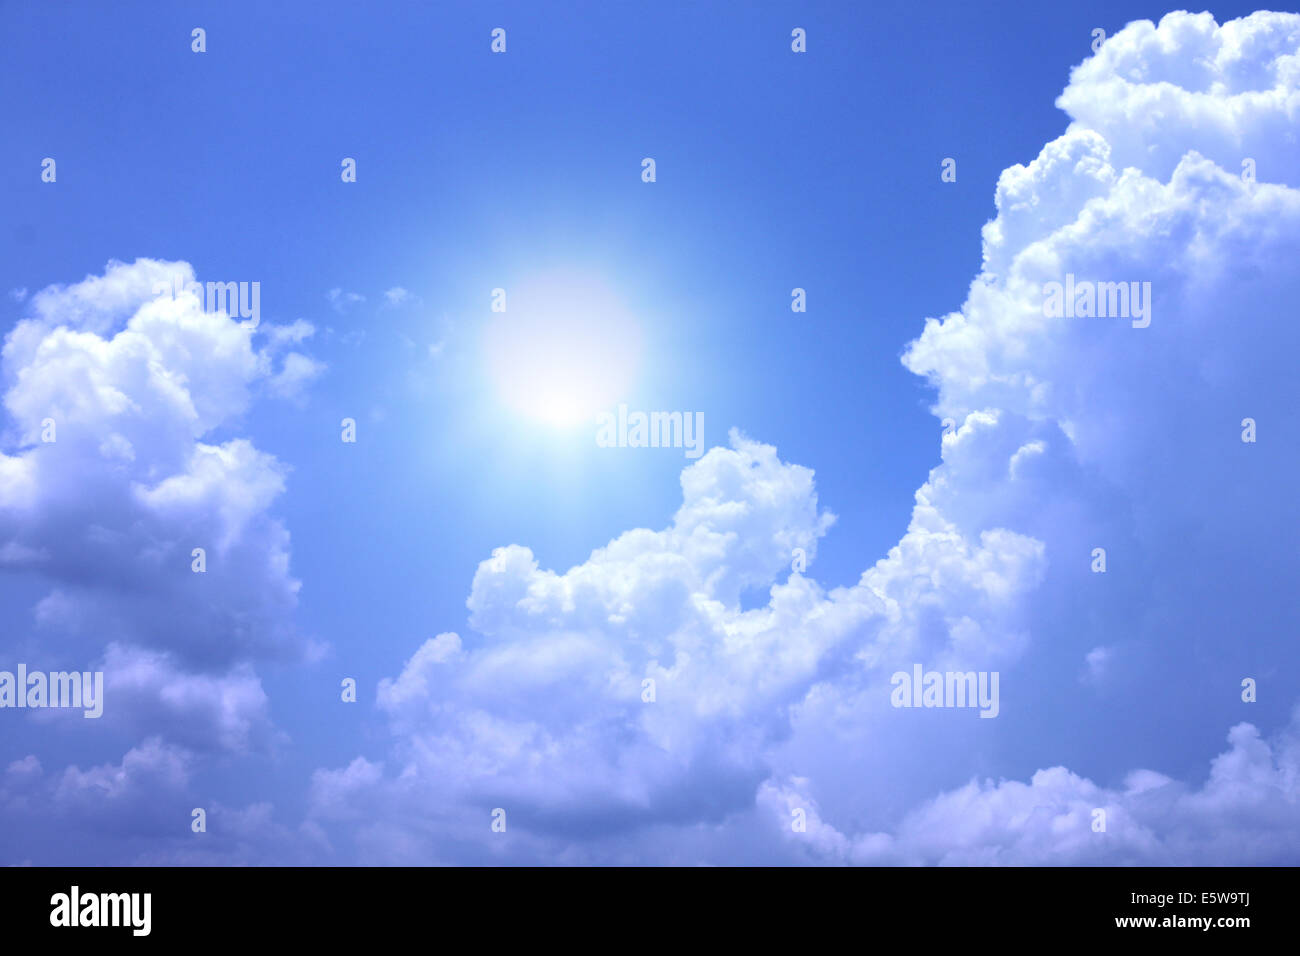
1094,530
112,478
1072,433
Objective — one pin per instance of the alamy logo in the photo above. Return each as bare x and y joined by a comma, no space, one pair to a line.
55,689
651,430
235,299
1115,300
103,909
947,689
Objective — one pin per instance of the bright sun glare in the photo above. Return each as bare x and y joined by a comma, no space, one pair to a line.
563,350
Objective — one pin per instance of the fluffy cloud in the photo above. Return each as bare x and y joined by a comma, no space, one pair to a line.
140,810
112,482
635,708
296,371
1247,811
139,799
545,710
1071,433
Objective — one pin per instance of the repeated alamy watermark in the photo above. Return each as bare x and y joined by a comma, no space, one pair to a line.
1085,299
651,430
235,299
923,688
54,689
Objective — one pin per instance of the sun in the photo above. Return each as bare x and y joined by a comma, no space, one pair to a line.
563,350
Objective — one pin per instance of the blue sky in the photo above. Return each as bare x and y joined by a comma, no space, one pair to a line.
522,171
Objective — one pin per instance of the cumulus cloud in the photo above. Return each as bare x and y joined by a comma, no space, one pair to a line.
1072,433
135,800
1247,812
139,810
547,707
228,709
638,707
110,483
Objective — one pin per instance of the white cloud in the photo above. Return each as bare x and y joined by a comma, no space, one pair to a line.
1246,813
230,710
294,333
139,811
296,373
1098,661
342,301
107,515
543,710
153,765
1072,433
